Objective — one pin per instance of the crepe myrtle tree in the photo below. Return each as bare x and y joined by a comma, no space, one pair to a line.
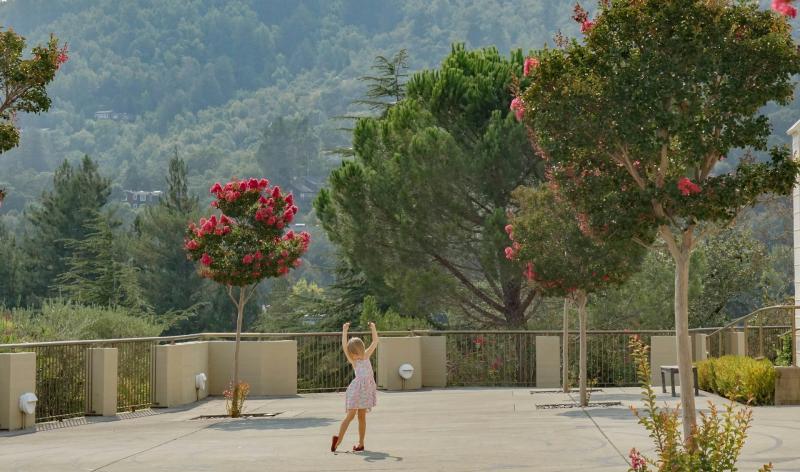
564,259
634,119
23,83
247,243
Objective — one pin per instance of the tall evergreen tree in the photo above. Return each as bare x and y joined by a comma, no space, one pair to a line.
10,272
169,280
78,194
288,149
423,204
99,270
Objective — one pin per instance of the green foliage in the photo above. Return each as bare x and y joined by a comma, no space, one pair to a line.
289,148
292,307
388,320
563,258
715,446
429,188
388,86
99,272
62,215
650,121
784,352
59,320
24,82
739,378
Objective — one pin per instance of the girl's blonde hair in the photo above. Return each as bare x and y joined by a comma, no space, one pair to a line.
355,346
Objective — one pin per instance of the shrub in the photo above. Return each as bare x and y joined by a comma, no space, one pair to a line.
739,378
715,445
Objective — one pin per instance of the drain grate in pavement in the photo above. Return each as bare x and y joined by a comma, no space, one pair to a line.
245,416
556,406
533,392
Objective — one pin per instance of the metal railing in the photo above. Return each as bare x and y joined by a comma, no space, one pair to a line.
763,331
474,358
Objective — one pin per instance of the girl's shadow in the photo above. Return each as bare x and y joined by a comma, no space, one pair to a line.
375,456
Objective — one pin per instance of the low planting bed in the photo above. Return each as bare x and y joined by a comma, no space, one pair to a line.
739,378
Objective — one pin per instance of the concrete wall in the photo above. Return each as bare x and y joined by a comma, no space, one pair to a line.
270,367
434,361
794,132
663,351
548,361
17,376
394,352
104,381
787,386
176,368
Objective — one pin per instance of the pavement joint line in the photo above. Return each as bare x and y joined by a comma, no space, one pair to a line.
585,412
169,441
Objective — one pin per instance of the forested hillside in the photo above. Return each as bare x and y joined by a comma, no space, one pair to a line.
240,88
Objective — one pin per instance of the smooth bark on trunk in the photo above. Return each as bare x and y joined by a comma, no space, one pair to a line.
565,349
580,302
239,316
681,250
684,346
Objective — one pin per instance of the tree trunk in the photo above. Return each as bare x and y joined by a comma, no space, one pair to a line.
684,343
565,348
580,301
239,312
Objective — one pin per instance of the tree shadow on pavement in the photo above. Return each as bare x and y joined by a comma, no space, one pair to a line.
271,423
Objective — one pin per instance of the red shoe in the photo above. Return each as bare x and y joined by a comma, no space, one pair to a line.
358,448
334,442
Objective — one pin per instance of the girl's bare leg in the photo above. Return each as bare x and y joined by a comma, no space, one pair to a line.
345,423
362,426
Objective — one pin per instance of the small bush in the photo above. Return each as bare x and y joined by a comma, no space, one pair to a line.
739,378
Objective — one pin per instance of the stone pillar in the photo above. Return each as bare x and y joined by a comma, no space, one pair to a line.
700,347
394,352
735,340
17,376
434,361
663,351
794,132
548,361
104,381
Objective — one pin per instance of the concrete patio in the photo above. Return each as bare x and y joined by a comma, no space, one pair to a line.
450,429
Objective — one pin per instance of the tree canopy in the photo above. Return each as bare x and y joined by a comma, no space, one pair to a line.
423,203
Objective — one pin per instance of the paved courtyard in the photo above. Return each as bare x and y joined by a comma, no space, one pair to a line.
449,430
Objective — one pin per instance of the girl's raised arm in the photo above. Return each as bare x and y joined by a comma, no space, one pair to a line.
374,344
345,328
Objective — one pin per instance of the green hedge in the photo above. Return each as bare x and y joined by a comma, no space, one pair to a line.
739,378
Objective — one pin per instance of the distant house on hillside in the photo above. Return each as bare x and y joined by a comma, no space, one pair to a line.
112,115
304,188
137,198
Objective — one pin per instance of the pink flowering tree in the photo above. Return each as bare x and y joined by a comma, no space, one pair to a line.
634,119
24,83
247,242
564,259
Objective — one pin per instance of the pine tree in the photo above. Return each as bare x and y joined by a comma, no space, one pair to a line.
169,280
99,271
62,214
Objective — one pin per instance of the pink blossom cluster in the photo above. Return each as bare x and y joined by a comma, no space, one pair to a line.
268,211
231,191
518,107
219,227
638,463
687,187
530,64
582,17
63,56
784,7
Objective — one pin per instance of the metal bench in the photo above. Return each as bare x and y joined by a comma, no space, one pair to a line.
673,369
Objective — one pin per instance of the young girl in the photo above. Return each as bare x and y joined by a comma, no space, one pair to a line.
361,393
